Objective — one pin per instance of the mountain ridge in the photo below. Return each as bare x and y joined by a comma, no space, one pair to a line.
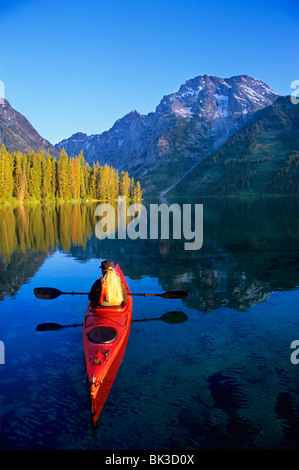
185,127
263,158
166,147
17,134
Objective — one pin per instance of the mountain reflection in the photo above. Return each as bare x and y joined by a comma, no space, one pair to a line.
250,249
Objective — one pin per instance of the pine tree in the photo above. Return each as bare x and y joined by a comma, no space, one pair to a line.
54,177
82,175
18,171
93,181
47,191
138,192
63,176
21,189
132,186
103,183
6,174
113,183
35,174
124,184
87,183
116,183
74,170
27,169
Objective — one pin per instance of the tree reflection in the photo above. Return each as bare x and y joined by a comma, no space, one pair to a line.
250,249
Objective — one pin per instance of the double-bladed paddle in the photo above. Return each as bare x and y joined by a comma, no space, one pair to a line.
47,293
168,317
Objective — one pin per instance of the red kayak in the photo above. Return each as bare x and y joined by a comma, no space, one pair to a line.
105,337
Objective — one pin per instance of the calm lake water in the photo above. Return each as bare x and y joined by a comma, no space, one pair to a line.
222,380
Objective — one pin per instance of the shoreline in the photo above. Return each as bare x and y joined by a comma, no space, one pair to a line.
60,201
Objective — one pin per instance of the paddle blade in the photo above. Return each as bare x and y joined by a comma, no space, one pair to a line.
55,326
46,293
174,294
49,327
174,317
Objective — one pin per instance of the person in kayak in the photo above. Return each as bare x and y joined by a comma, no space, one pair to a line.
108,290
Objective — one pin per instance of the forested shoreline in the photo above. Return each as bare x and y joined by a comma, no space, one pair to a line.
37,176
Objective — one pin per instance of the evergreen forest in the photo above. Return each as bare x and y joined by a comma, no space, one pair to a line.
36,176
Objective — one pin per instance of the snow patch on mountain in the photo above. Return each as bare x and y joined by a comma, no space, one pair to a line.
222,105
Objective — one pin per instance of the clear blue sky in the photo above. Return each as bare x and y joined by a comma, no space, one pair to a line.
72,66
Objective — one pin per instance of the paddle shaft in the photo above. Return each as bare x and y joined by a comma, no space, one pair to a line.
147,319
52,293
168,317
74,293
129,293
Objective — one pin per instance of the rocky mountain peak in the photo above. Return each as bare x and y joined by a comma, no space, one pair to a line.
218,97
186,127
127,120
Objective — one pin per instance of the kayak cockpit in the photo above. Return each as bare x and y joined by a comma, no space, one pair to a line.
102,334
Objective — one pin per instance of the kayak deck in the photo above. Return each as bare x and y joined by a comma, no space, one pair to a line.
105,337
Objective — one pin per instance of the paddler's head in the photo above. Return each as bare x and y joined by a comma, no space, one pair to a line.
106,266
112,283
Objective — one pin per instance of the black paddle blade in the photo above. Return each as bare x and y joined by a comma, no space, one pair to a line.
174,294
55,326
46,293
174,317
49,327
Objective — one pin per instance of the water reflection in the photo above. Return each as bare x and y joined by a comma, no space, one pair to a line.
218,380
29,234
44,227
250,249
